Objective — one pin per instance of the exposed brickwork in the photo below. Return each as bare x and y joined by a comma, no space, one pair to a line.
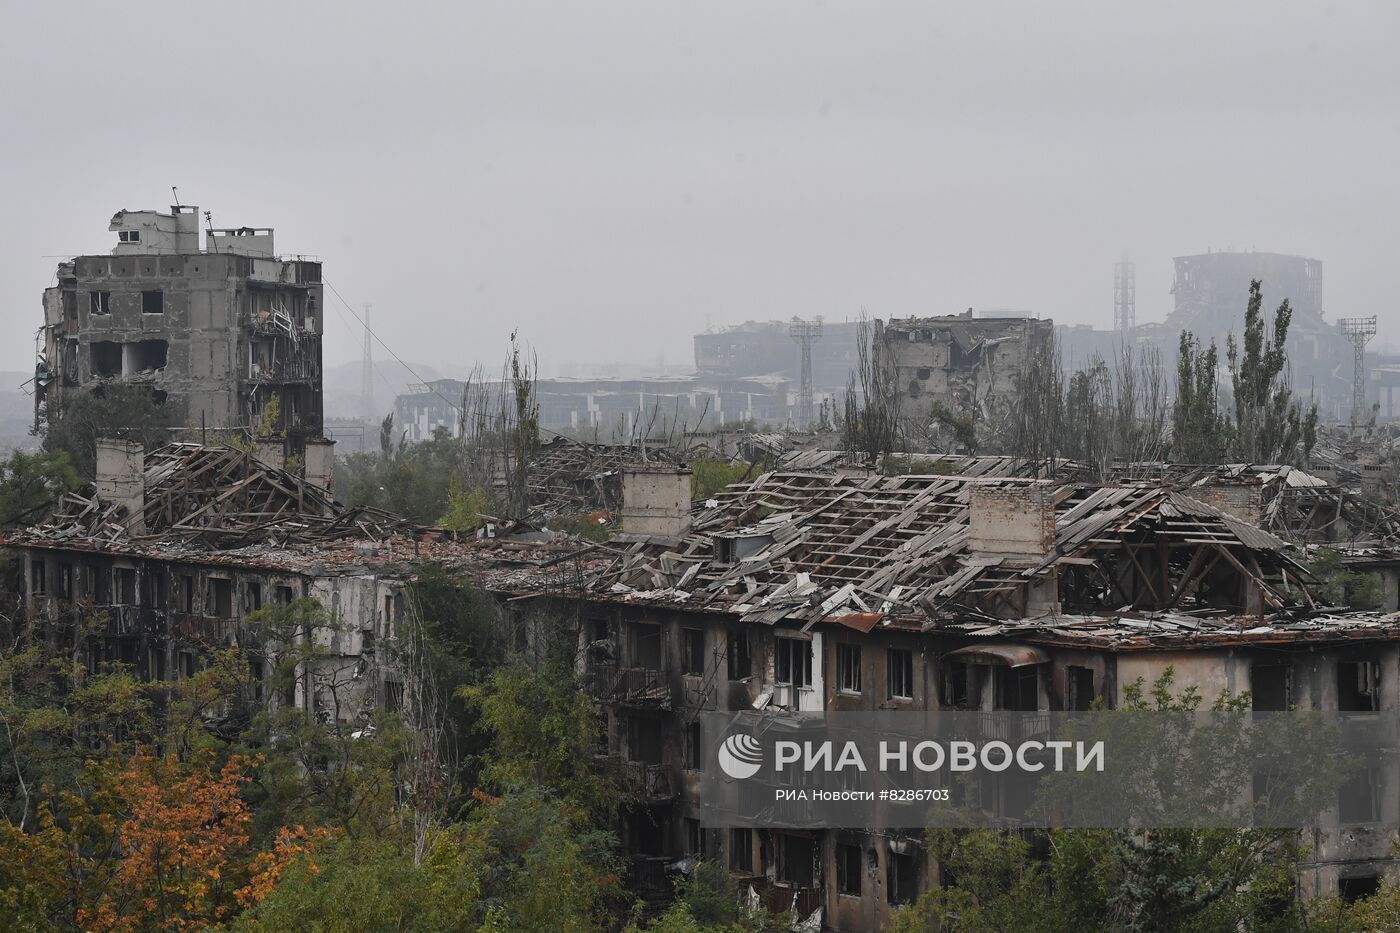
1013,521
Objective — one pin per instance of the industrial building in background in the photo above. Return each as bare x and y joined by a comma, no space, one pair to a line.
216,335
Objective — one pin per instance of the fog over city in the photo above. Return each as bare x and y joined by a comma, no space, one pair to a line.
610,179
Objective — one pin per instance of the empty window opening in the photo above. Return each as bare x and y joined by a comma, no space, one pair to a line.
1017,688
221,597
254,596
1080,683
1359,799
901,673
126,586
284,595
1271,687
65,581
105,358
904,882
848,668
644,740
692,836
795,855
693,645
153,302
960,689
144,356
99,302
792,662
850,869
741,850
740,656
646,646
38,577
1358,686
693,757
184,598
1355,887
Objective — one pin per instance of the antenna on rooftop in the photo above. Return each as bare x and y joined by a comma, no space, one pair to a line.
176,193
209,225
1359,330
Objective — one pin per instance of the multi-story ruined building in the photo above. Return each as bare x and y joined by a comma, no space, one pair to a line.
963,364
798,593
216,335
759,348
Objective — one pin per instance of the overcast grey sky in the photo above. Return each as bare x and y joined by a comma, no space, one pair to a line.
608,176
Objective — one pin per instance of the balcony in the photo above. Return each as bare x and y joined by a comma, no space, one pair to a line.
131,620
636,687
648,783
206,630
286,370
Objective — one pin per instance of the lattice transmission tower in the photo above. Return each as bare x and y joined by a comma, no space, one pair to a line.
1359,330
805,333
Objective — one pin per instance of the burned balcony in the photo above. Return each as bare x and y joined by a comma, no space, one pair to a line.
647,783
637,687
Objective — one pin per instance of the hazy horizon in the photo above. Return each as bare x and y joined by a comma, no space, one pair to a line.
609,179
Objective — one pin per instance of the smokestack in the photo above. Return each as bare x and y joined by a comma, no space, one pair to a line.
272,451
320,463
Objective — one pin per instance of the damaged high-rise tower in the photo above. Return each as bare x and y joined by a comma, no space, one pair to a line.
216,335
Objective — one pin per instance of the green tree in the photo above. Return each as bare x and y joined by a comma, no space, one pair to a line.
1271,426
30,485
127,411
1200,433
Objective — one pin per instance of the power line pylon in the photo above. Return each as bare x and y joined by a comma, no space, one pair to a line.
805,333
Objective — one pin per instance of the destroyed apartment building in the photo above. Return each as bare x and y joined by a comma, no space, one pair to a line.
816,592
171,552
958,363
216,335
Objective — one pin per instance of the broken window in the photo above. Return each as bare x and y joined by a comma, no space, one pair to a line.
38,576
792,661
284,595
153,302
904,881
1358,686
1353,888
795,854
254,596
646,646
185,593
693,645
129,236
126,586
1018,688
1359,799
65,581
184,664
145,356
741,850
599,630
100,586
959,685
1270,686
692,836
848,668
220,597
644,740
105,358
850,869
1080,682
99,302
900,663
740,656
694,761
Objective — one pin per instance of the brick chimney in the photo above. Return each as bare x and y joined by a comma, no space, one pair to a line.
1016,522
320,463
121,478
656,500
272,451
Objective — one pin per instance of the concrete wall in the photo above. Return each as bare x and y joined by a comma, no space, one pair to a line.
656,500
